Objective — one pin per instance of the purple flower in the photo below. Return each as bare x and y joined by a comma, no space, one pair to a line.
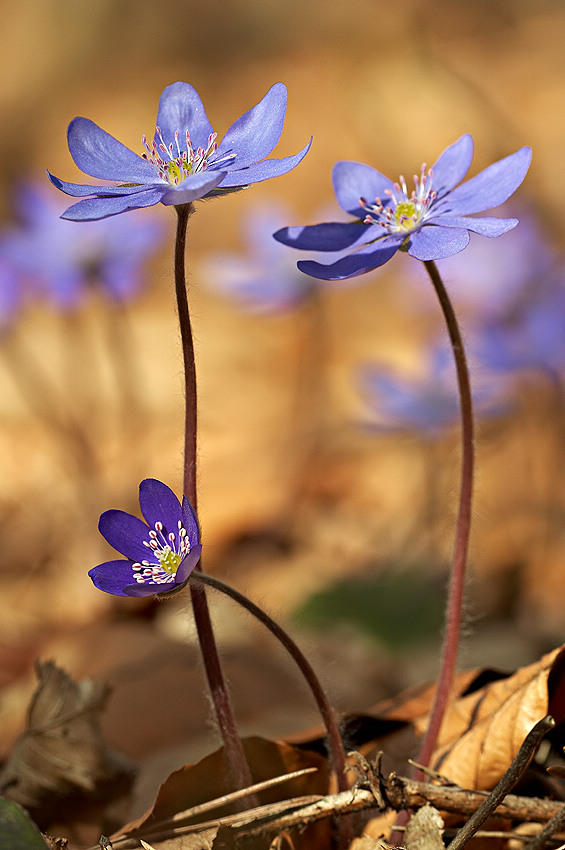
160,554
427,402
63,260
183,162
264,278
531,334
11,294
431,222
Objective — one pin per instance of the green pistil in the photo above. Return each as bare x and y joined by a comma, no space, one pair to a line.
169,560
174,171
405,210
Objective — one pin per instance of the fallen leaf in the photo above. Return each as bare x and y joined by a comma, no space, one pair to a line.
62,749
483,731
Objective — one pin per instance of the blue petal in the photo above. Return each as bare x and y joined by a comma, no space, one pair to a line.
91,209
433,243
112,577
158,503
487,226
491,187
99,154
262,170
190,522
452,165
79,190
361,261
253,136
192,188
331,236
354,180
187,565
126,534
181,109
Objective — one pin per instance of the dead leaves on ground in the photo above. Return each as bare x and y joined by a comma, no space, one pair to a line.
484,727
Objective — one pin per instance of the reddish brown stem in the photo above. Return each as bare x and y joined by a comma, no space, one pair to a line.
238,768
459,561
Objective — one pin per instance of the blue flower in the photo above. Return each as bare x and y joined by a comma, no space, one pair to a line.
430,222
264,278
161,552
427,402
63,261
183,162
531,334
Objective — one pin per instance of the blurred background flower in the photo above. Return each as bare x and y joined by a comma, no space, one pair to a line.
63,261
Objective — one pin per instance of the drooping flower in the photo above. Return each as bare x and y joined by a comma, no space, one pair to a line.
161,552
430,222
183,162
426,402
62,261
263,278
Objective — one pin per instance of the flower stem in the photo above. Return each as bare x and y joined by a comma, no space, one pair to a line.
335,742
238,768
459,561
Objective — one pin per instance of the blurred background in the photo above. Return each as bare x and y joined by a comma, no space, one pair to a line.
329,447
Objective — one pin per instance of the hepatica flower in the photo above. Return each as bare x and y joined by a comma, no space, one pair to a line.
183,162
160,553
263,278
426,402
430,222
63,261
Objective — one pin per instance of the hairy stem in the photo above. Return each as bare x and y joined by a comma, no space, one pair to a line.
238,768
335,743
459,561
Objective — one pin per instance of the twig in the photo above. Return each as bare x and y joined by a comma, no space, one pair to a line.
508,781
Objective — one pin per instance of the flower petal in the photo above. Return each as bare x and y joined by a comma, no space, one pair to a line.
99,154
187,565
148,588
181,109
331,236
486,226
364,260
190,522
433,243
126,534
491,187
158,503
262,170
354,180
91,209
192,188
112,576
79,190
452,165
253,136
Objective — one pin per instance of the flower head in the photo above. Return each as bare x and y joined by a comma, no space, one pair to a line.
264,278
426,402
430,222
62,261
183,162
161,552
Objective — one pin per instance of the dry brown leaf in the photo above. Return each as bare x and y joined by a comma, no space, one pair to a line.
62,749
207,780
483,731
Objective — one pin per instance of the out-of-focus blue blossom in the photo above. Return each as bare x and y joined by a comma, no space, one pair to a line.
430,223
263,278
427,402
61,260
531,333
160,552
11,294
490,276
183,162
